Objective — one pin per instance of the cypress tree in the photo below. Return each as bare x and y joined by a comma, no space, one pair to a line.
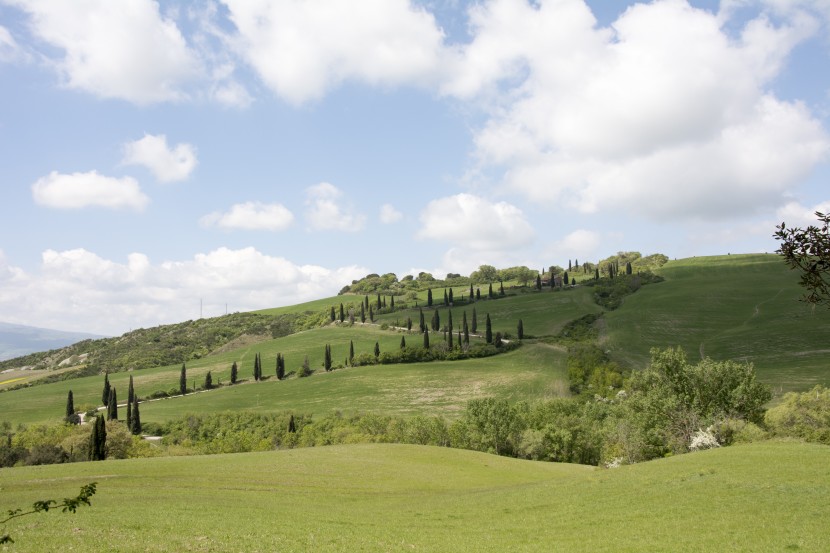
436,321
112,405
362,314
377,350
446,298
183,380
497,340
429,297
331,315
129,415
565,279
490,290
342,314
573,281
471,292
384,302
392,302
520,331
234,373
451,300
474,322
422,323
569,264
371,314
280,367
449,322
403,342
292,427
379,303
426,339
409,324
135,427
478,294
628,269
576,263
501,288
208,381
488,330
465,329
596,273
552,279
449,339
105,395
459,339
538,282
70,408
98,440
351,351
327,358
130,391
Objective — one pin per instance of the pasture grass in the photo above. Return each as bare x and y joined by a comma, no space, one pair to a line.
740,307
381,497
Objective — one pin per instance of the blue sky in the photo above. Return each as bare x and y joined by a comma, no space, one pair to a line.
155,156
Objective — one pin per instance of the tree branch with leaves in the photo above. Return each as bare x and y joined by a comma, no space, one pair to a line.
808,250
68,505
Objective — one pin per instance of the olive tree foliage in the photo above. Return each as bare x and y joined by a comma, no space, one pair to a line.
808,250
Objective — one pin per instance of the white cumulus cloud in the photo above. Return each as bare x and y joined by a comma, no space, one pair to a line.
663,114
474,222
9,49
79,190
325,210
389,215
77,289
251,216
123,49
795,214
167,164
301,50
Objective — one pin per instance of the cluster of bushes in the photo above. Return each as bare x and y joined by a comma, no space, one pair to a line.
46,444
609,292
437,352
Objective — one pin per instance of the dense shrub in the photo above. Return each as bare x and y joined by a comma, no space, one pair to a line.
802,415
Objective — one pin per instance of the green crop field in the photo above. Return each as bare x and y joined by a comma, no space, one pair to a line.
741,307
759,497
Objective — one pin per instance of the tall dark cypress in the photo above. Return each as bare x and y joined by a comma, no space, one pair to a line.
130,391
105,395
371,315
98,440
520,330
446,298
565,279
331,314
377,350
342,314
280,367
478,294
451,300
351,351
426,339
70,408
538,282
129,415
501,288
471,291
208,381
474,322
234,373
449,321
135,427
292,427
490,290
429,297
380,304
327,358
422,323
392,303
409,323
112,405
465,329
362,314
403,342
436,321
183,380
488,330
450,344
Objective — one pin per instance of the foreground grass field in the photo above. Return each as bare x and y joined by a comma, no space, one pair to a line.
740,307
760,497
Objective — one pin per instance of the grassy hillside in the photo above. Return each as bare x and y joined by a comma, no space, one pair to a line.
742,307
393,497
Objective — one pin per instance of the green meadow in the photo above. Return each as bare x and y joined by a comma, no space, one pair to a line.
740,307
760,497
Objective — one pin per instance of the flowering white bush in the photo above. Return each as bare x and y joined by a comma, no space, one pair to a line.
614,463
703,439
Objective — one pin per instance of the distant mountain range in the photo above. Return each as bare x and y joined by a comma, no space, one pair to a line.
18,340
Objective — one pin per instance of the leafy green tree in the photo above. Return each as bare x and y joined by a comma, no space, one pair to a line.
183,380
488,330
327,358
112,405
474,322
98,440
429,297
805,416
426,339
105,395
234,373
135,426
377,350
808,251
520,330
486,273
208,381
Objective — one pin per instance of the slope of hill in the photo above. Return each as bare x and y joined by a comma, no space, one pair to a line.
396,497
20,340
740,307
